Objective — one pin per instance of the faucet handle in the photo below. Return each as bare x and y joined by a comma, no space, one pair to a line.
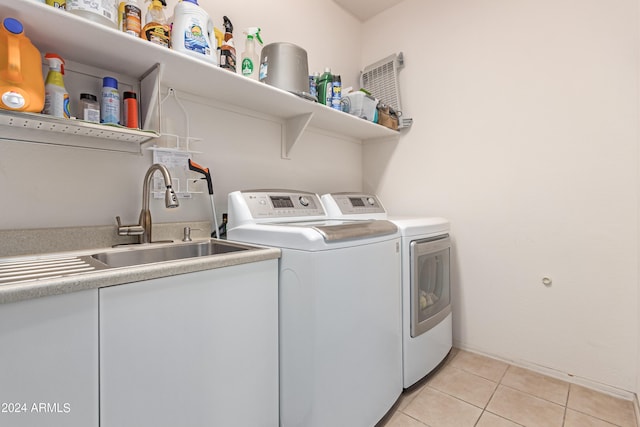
129,230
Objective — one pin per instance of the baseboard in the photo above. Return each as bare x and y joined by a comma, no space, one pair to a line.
585,382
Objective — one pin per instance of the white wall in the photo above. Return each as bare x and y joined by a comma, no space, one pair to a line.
526,137
331,36
45,186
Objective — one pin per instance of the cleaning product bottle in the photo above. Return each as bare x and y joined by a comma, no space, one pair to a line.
324,87
56,97
110,108
192,31
156,28
313,85
228,50
250,58
21,82
129,17
130,107
336,89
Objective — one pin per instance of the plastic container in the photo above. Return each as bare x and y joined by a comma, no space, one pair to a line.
324,87
56,97
130,107
129,18
192,31
360,104
89,108
103,12
156,29
110,105
21,82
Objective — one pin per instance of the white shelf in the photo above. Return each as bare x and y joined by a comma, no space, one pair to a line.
46,129
83,41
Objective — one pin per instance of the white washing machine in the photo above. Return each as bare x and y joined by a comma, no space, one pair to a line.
340,325
427,335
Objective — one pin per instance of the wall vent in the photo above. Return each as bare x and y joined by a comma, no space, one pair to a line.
381,80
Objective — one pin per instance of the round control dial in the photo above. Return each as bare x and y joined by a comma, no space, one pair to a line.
371,201
304,201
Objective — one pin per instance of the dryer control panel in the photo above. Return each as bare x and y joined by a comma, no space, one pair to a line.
346,204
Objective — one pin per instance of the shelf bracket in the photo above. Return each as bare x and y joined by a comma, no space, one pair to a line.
292,130
150,90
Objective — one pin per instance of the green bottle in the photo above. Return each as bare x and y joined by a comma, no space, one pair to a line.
325,86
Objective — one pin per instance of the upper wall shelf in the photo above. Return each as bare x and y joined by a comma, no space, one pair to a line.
83,41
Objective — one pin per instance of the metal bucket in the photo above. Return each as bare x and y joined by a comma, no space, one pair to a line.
285,66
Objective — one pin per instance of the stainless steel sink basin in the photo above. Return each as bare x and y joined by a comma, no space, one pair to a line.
147,254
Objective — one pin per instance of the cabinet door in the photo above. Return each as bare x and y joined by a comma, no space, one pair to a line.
198,349
49,361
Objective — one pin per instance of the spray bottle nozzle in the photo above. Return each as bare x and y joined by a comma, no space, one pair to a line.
156,4
228,26
55,61
254,32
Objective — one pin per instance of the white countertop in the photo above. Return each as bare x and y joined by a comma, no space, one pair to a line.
111,276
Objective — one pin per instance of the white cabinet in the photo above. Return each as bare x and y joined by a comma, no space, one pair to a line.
198,349
49,361
83,41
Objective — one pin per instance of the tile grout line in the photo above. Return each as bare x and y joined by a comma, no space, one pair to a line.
499,382
566,405
598,417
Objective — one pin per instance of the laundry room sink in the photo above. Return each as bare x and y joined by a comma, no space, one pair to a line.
147,254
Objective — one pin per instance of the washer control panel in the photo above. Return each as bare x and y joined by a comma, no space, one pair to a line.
356,203
282,204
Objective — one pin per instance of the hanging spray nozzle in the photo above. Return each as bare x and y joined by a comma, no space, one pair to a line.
254,33
197,168
207,175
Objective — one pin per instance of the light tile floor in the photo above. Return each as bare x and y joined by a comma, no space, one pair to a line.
470,390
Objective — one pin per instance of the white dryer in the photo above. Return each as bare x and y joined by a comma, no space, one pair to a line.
427,335
340,327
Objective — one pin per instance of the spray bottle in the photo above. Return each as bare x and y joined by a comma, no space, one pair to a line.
156,29
228,50
250,58
219,38
56,97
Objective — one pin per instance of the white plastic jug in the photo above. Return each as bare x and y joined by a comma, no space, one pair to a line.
192,31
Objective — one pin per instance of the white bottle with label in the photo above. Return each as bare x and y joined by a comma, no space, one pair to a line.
56,97
192,31
250,58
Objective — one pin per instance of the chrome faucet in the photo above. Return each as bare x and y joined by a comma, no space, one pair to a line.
143,228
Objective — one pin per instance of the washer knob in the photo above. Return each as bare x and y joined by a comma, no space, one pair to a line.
304,201
371,201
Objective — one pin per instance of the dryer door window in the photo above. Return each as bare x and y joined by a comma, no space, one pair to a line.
430,284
